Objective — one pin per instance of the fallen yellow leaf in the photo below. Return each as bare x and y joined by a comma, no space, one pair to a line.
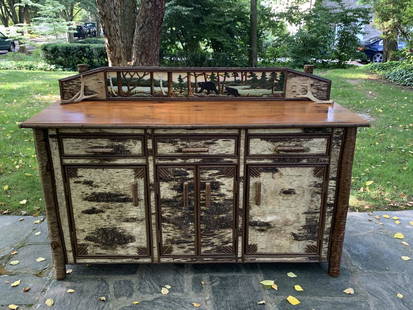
6,188
40,259
102,298
70,291
349,291
37,221
15,283
274,287
411,223
13,307
135,302
164,291
196,305
405,258
298,288
37,233
168,287
399,295
398,236
386,216
23,202
369,183
261,302
267,283
292,300
14,262
396,218
396,222
291,275
49,302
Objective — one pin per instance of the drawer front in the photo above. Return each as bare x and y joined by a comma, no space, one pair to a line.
273,145
110,146
196,145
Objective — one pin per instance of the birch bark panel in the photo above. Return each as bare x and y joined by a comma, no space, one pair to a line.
273,145
177,146
102,146
177,212
217,218
286,219
297,87
107,222
336,143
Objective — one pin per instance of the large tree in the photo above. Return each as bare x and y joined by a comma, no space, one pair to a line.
132,32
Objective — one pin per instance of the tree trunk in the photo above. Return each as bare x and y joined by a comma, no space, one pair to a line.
253,34
389,47
147,40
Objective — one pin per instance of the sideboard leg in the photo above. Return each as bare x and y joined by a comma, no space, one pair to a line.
340,214
47,179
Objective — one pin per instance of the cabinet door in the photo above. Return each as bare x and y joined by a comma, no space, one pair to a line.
176,209
217,201
284,209
109,210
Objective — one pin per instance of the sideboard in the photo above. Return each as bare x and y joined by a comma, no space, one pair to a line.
197,172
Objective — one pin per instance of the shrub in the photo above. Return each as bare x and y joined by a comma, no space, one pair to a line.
395,71
92,41
20,61
69,55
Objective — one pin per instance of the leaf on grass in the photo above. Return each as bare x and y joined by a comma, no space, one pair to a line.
6,188
349,291
102,298
26,289
411,223
40,259
274,287
267,283
396,218
261,302
399,295
49,302
135,302
37,221
168,287
70,291
15,283
398,236
292,300
164,291
396,222
13,253
13,307
291,275
404,243
37,233
386,216
369,183
196,305
298,288
23,202
405,258
14,262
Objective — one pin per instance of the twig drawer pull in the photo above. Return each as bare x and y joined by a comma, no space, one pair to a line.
258,193
207,194
185,194
135,194
289,149
195,150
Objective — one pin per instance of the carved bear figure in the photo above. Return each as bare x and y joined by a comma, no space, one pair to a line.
232,91
208,86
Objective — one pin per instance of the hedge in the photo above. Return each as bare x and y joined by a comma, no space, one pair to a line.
398,72
69,55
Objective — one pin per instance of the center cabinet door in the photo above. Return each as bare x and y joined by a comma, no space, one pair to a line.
285,209
196,206
108,208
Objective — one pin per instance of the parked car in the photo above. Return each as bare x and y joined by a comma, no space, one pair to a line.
85,30
373,48
91,29
6,43
80,33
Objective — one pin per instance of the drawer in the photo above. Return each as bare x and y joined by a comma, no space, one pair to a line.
102,146
284,145
196,145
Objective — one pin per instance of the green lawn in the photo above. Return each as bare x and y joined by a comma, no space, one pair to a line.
383,167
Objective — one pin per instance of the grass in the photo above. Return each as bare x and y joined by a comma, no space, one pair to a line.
383,166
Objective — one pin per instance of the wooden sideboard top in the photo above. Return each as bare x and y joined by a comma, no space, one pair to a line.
195,114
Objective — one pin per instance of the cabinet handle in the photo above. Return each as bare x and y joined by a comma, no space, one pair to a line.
289,149
207,194
258,193
135,194
185,194
195,150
